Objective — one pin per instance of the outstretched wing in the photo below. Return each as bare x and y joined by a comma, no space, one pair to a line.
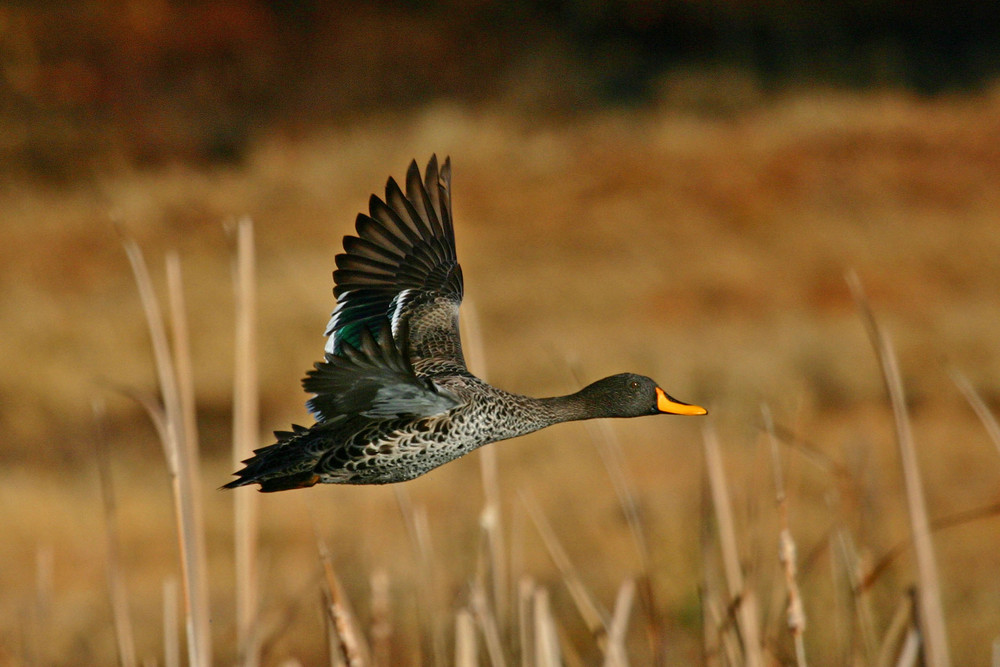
402,267
374,379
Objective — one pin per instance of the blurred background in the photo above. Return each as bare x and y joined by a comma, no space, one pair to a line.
148,82
673,188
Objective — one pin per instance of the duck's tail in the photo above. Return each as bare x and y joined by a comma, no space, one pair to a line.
281,466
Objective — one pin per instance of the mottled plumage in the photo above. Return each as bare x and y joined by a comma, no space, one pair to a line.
393,398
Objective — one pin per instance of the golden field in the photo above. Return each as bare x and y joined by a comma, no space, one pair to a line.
708,252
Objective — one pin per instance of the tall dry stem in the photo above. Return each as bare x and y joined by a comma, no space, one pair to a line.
188,488
547,652
931,614
181,445
381,618
741,597
488,623
171,633
978,405
902,619
616,655
593,616
246,425
854,567
713,633
795,611
349,641
525,620
609,447
116,578
429,590
466,650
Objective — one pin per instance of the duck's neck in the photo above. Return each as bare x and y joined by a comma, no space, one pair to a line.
573,407
525,414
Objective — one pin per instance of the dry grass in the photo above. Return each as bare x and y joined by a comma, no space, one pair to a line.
707,253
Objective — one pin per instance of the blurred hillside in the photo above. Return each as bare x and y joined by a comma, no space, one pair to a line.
88,84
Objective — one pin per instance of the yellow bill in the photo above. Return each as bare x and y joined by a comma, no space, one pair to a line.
669,405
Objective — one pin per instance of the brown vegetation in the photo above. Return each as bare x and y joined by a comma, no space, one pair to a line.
709,253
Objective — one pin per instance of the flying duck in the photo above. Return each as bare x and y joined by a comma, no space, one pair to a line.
393,398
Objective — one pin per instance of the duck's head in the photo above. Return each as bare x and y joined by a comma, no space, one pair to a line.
632,395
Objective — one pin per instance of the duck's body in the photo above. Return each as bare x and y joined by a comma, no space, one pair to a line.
393,398
354,449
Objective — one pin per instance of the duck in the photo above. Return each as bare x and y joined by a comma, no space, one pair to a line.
393,398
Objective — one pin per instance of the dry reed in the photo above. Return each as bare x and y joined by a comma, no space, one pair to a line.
902,620
741,598
429,601
348,640
465,639
381,618
171,633
546,653
933,635
483,613
732,630
246,425
795,611
116,578
616,654
180,445
593,616
979,406
610,449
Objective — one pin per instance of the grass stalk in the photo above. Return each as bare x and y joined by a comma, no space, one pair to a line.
594,618
795,611
741,598
188,487
546,652
124,635
959,518
909,654
488,623
728,638
333,642
246,425
161,356
415,519
466,650
350,642
171,631
931,613
525,623
712,630
616,655
181,447
978,405
609,447
860,598
902,619
381,618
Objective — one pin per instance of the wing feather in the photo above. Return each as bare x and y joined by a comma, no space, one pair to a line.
402,266
375,379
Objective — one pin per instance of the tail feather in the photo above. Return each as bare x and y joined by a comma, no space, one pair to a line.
281,466
300,480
